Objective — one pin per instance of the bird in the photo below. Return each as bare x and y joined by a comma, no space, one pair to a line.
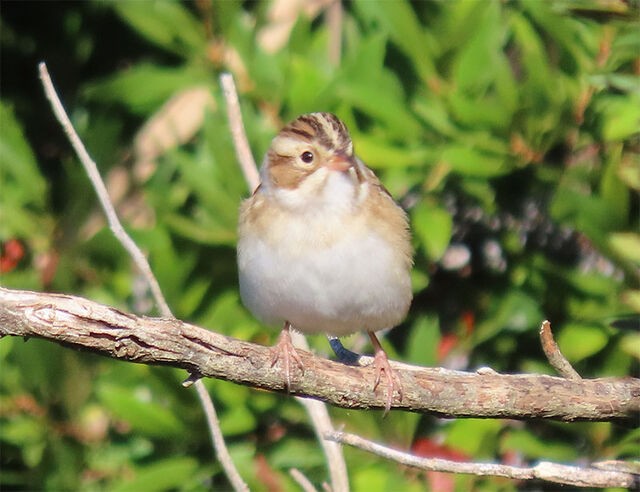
322,245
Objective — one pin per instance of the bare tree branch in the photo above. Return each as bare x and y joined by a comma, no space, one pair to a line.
94,175
555,357
303,481
217,439
84,324
334,23
143,265
241,144
551,472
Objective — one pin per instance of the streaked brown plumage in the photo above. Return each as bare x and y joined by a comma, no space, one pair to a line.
322,245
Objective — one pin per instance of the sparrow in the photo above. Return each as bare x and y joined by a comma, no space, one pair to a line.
322,245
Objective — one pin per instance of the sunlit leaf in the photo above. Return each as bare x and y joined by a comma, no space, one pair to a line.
533,447
296,453
631,343
238,420
469,162
473,436
145,416
578,341
423,342
434,226
632,299
620,116
401,23
166,23
476,61
627,245
143,88
165,474
17,161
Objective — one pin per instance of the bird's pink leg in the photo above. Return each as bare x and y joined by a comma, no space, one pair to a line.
284,348
381,363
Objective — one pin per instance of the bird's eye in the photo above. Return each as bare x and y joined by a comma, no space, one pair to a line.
307,157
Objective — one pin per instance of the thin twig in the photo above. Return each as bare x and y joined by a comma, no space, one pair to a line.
143,265
319,414
92,170
241,144
334,23
317,410
555,357
218,439
552,472
303,481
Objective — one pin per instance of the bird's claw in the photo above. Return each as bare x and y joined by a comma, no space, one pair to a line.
284,349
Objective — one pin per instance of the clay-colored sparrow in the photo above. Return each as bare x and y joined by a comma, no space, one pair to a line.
322,246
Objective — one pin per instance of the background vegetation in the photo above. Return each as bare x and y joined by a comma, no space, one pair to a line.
508,130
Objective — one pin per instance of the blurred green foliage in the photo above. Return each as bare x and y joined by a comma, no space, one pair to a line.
509,130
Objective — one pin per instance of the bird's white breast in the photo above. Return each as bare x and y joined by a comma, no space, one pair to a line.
323,272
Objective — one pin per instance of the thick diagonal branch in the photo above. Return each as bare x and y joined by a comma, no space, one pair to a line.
83,324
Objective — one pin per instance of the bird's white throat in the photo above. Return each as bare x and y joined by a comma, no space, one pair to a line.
323,192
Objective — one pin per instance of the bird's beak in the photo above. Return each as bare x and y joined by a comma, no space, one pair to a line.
340,161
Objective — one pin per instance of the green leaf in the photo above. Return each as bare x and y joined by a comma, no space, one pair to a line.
475,112
204,231
579,341
382,100
433,226
477,60
228,316
367,62
23,190
237,420
165,23
296,453
419,280
619,115
145,416
192,297
586,212
629,171
423,341
627,245
631,344
535,448
168,474
399,20
632,299
381,477
469,162
475,437
377,153
17,161
592,284
517,312
540,82
307,82
144,87
22,430
622,82
612,188
433,111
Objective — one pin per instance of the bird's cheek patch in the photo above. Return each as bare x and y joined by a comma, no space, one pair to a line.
286,176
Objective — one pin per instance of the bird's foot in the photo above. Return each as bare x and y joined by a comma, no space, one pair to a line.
381,364
284,349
